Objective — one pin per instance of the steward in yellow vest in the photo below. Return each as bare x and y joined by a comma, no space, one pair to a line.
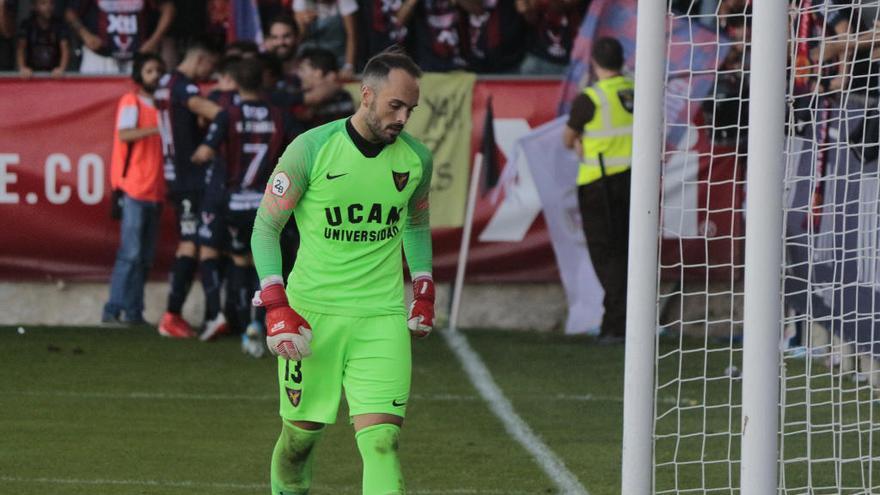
599,129
607,137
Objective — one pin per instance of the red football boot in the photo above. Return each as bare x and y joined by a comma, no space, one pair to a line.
175,327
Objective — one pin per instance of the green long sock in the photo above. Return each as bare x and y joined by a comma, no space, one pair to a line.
378,447
292,460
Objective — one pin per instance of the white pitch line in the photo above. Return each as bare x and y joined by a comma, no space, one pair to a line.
480,376
243,397
139,395
237,486
176,484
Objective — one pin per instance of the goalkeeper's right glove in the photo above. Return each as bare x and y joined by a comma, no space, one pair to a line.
287,333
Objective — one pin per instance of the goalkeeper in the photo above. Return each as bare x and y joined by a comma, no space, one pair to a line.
359,189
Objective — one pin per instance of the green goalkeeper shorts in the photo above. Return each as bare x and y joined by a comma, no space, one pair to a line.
369,357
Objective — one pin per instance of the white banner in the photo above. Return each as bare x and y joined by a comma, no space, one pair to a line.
554,171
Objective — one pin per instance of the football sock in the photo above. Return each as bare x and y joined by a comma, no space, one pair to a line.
378,447
182,272
291,472
229,299
210,271
241,290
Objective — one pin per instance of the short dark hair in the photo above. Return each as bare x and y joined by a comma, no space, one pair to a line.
271,64
140,60
243,47
322,59
203,43
285,19
227,64
608,53
383,62
248,74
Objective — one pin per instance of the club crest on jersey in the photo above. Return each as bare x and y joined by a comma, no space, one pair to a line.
294,396
280,184
400,179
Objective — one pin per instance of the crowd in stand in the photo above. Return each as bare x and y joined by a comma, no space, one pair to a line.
834,47
485,36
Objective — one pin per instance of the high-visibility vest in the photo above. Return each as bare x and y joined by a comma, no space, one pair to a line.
609,133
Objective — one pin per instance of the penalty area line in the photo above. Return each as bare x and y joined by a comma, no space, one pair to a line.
481,378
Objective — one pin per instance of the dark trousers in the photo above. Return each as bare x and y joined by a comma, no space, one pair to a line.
604,206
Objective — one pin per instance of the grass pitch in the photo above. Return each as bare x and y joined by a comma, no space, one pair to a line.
123,411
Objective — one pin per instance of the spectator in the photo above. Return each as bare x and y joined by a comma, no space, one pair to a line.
136,171
727,112
317,67
180,106
190,20
8,11
436,34
553,27
386,24
600,130
270,9
217,21
494,36
332,25
281,41
42,42
113,32
250,135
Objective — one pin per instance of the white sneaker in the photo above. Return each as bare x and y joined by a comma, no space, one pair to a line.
214,328
253,340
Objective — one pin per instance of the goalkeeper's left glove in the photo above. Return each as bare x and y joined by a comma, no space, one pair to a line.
421,312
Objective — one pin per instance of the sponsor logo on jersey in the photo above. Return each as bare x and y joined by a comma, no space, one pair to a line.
360,235
331,177
397,403
400,179
294,396
358,214
280,184
122,24
254,112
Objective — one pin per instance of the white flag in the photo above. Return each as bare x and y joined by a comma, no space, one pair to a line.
554,171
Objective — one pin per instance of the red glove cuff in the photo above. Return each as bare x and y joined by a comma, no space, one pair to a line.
273,297
423,289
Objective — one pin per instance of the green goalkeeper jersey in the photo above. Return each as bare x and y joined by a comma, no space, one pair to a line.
354,209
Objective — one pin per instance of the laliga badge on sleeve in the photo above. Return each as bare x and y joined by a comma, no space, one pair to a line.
280,184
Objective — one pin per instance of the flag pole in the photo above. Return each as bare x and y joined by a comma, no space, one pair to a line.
458,284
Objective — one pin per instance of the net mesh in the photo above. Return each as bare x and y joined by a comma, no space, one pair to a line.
828,438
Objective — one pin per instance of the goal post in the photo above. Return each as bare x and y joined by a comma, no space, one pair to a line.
638,410
762,311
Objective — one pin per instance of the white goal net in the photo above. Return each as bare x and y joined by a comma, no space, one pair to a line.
829,375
